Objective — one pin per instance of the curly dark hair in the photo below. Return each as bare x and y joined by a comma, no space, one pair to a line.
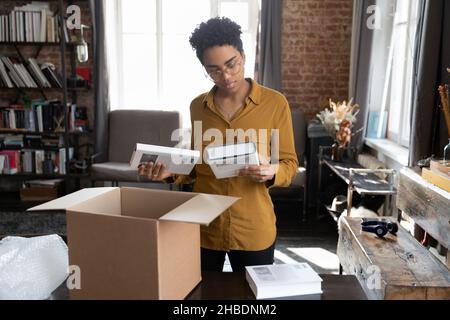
216,31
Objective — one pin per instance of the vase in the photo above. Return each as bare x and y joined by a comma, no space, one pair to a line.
337,152
447,152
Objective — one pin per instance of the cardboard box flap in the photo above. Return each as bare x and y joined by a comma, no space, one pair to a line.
72,199
201,209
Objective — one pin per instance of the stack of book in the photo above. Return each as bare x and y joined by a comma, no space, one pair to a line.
438,174
283,280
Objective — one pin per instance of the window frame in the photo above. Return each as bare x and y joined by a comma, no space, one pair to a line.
398,133
118,33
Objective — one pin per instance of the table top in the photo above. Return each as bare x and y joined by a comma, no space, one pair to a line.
234,286
363,183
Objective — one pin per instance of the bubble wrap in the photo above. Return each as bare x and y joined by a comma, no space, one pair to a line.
32,268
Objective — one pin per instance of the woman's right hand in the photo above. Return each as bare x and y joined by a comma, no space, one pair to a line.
153,171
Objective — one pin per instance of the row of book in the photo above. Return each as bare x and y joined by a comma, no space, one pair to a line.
34,22
19,141
27,74
34,161
40,116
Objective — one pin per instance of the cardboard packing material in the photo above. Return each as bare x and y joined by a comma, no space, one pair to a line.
133,243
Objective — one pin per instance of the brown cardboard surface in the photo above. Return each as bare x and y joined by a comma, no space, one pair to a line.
104,203
179,269
201,209
72,199
151,203
117,256
124,249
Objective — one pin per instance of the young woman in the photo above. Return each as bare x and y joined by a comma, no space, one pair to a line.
235,105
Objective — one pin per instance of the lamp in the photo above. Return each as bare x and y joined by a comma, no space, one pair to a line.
82,47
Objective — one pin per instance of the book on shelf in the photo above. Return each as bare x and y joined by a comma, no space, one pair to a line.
283,280
39,116
28,74
33,22
3,158
12,161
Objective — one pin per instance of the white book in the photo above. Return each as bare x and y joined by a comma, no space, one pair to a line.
27,161
225,161
22,75
12,72
12,26
39,156
283,280
62,161
2,31
39,118
44,83
7,28
43,27
30,82
12,119
5,76
3,158
176,160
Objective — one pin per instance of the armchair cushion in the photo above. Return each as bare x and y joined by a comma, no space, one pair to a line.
126,128
114,171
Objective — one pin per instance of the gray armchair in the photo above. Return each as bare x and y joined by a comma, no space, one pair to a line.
296,192
126,128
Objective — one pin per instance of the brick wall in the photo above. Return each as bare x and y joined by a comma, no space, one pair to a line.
316,40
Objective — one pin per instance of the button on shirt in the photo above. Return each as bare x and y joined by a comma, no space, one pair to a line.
249,224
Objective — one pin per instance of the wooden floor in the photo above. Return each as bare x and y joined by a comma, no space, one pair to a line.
313,241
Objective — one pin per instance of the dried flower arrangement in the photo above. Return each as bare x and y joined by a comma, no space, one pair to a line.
338,120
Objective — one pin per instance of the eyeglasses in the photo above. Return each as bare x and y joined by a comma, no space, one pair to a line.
231,69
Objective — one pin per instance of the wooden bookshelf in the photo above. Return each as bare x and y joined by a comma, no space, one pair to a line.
62,54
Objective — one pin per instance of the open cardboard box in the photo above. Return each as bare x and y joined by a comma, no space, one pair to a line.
133,243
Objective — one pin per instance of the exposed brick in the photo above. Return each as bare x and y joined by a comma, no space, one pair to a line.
316,37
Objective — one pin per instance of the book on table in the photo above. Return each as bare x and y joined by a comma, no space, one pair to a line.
283,280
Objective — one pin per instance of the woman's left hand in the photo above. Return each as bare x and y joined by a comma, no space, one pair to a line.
259,173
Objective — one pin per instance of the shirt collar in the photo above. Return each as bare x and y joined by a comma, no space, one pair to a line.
255,94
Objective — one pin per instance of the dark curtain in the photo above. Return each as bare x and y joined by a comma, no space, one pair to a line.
269,53
360,66
428,131
101,79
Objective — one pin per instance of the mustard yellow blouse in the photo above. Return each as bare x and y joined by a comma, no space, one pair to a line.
250,223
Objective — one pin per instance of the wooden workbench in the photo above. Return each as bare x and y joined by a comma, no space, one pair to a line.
407,269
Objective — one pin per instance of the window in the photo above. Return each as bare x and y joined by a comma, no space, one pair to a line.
152,65
391,73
